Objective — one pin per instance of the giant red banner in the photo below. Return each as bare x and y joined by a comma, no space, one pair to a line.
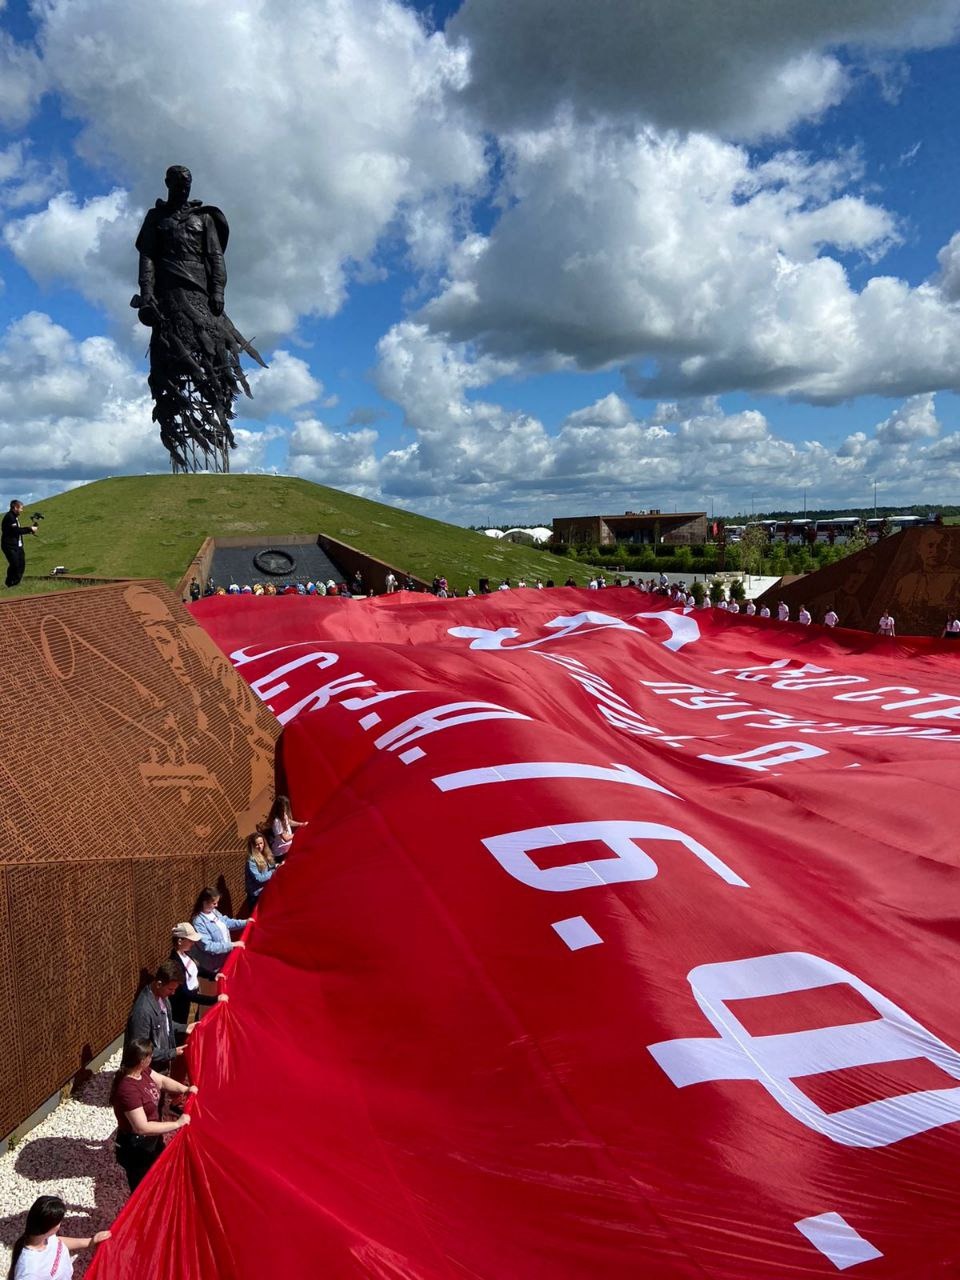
621,942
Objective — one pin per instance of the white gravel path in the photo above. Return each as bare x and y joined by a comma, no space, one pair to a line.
68,1154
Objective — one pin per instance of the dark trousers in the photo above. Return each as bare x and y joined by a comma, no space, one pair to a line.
16,562
135,1155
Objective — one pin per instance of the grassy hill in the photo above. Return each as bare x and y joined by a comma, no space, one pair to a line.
152,526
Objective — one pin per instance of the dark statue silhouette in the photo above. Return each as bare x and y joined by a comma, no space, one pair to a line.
195,372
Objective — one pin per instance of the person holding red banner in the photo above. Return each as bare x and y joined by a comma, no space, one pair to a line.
260,866
282,826
214,929
136,1104
41,1250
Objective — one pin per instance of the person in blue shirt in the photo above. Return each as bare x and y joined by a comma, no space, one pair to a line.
214,929
261,865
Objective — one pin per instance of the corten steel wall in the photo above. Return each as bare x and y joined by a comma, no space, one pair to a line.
576,529
690,531
373,571
133,760
915,574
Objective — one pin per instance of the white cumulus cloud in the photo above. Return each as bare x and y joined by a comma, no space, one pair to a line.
736,67
316,125
701,270
71,410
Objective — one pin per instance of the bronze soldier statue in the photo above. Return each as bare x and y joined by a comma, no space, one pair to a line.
195,371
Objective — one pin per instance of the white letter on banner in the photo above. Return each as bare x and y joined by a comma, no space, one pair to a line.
775,1061
262,686
512,850
873,695
770,755
532,769
320,697
446,717
240,657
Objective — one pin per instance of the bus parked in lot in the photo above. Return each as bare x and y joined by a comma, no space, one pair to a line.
837,529
833,529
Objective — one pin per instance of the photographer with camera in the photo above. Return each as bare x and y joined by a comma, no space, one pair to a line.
11,542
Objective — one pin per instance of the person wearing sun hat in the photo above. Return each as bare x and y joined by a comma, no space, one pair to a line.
185,937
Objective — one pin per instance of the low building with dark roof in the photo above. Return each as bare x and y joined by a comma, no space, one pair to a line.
633,528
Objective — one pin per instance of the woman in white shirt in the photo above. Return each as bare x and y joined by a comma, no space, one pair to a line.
185,937
282,827
41,1250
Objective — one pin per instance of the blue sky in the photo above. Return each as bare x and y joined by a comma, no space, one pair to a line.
506,262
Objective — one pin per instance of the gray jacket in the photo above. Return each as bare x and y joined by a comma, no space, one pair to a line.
147,1022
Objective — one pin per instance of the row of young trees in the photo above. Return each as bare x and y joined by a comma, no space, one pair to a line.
754,555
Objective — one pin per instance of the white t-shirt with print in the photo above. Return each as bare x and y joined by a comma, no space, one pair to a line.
52,1262
830,619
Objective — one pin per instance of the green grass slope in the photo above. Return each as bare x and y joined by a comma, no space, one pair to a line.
152,526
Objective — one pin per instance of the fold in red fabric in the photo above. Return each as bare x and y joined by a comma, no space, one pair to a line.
622,941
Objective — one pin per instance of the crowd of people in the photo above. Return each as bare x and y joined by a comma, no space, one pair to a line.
300,587
677,592
152,1082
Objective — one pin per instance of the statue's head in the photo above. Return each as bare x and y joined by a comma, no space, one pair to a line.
179,180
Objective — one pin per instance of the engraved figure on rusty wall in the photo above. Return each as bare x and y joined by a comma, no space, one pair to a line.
201,753
929,580
195,371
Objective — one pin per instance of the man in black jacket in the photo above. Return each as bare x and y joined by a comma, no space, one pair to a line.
11,543
151,1017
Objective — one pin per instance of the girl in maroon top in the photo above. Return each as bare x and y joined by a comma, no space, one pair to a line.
136,1104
